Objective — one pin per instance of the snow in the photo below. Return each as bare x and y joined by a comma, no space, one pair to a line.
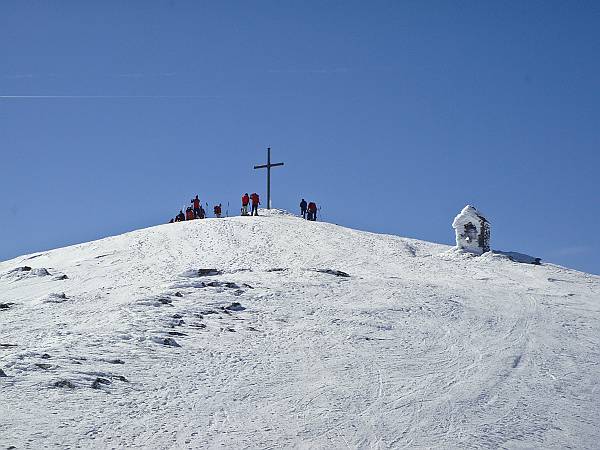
245,333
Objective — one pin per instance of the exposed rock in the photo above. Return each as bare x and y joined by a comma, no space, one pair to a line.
226,284
176,333
235,306
178,294
99,382
60,277
120,378
116,361
337,273
44,366
201,273
45,356
64,384
169,342
5,305
2,373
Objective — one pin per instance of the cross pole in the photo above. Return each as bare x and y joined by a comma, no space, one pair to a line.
268,166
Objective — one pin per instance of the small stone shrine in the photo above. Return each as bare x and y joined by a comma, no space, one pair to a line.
472,231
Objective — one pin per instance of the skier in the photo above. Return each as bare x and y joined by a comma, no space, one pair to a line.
180,217
245,201
189,213
217,210
196,203
202,212
303,208
255,202
312,211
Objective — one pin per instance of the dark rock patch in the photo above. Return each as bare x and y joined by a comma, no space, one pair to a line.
99,382
252,329
116,361
176,333
235,306
238,292
5,305
201,273
178,294
45,356
520,257
277,269
226,284
198,325
7,345
43,366
2,374
170,342
337,273
64,384
247,286
34,256
22,269
160,300
120,378
60,277
177,316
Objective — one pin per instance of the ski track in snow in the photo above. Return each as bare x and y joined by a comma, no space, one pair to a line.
420,347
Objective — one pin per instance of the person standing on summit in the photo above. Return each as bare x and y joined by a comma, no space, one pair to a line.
303,208
255,202
312,211
196,203
245,202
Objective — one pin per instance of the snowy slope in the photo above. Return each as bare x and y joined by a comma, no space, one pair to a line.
419,346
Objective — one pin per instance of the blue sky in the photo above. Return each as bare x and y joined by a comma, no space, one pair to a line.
390,115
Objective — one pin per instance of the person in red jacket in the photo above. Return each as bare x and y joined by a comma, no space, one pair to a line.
196,203
312,211
189,213
245,201
255,202
217,210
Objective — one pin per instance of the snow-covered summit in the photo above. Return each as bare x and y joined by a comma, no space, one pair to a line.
272,331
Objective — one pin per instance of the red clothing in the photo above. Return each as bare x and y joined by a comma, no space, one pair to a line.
245,200
196,203
255,199
312,207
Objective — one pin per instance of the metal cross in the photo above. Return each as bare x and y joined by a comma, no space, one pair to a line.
268,166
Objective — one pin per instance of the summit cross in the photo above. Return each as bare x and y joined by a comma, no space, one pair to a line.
268,166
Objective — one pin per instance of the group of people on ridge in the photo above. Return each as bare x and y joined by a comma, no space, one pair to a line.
308,210
196,211
246,199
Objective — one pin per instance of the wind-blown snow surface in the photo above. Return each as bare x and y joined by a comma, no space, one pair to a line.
420,346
